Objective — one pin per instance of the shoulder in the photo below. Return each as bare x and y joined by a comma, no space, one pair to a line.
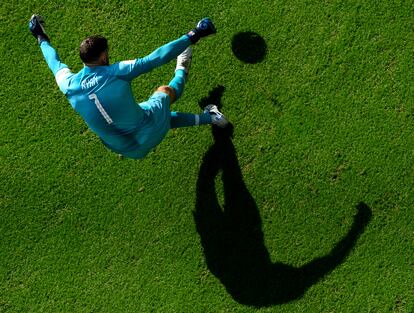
124,69
63,79
62,75
126,65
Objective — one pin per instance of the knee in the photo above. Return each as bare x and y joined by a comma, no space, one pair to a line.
169,91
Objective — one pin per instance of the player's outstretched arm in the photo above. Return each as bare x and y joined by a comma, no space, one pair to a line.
162,55
167,52
59,69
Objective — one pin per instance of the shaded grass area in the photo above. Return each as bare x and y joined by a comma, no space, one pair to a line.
324,122
232,238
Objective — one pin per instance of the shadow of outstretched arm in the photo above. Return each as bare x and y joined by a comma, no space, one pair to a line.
319,267
232,237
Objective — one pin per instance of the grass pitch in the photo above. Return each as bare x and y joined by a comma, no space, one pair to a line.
267,221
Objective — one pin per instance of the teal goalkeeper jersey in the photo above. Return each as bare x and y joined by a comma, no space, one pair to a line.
103,97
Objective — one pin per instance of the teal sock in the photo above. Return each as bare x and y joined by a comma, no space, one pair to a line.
179,119
178,82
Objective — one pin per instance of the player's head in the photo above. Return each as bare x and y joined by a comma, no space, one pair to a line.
94,50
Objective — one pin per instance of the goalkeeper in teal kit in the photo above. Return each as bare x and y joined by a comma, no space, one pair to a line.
101,93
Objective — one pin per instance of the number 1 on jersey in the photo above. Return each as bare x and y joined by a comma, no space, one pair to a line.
100,108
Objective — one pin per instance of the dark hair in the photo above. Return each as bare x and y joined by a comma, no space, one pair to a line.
91,48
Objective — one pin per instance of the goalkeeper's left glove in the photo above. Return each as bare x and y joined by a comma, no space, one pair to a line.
203,28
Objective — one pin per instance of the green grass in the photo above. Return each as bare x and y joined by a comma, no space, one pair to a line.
323,123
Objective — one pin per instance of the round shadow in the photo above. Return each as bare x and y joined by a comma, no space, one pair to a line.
249,47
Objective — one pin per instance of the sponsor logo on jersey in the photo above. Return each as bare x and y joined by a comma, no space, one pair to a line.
88,83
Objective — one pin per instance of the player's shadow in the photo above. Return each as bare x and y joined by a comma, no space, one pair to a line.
232,237
249,47
214,97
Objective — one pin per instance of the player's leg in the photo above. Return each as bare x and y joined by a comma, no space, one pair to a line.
177,84
157,125
181,73
175,87
169,91
180,119
210,115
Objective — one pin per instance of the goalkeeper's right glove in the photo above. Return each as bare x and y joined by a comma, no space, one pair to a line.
36,27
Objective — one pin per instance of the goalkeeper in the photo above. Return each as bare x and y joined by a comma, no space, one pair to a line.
101,93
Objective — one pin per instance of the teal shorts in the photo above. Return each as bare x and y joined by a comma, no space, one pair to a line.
155,126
